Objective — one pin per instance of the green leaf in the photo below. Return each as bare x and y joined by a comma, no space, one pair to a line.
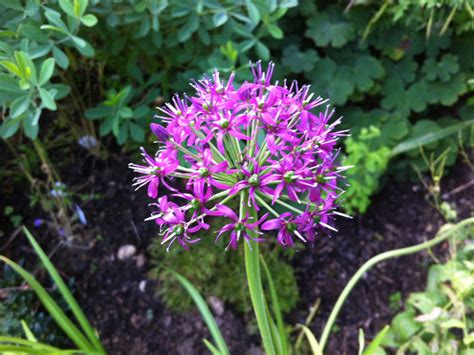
83,46
404,325
30,124
46,71
60,57
66,294
54,310
375,344
67,7
19,106
47,99
299,61
329,28
275,31
211,347
262,50
137,132
29,346
447,93
89,20
189,28
366,69
220,18
313,343
9,127
282,334
442,70
403,100
427,137
253,12
205,313
34,33
28,333
98,112
11,67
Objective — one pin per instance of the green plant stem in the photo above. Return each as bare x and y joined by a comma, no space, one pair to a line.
254,279
443,235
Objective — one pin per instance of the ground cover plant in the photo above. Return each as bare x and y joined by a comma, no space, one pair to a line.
92,75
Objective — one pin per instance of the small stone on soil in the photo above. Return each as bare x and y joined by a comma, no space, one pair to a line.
126,251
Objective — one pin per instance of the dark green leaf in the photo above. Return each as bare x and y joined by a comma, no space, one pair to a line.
60,57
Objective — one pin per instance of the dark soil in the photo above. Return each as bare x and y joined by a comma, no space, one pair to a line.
119,298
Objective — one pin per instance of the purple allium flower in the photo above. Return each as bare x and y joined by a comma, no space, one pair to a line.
271,145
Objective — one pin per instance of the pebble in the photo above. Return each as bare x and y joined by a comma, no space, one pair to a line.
142,286
217,305
126,251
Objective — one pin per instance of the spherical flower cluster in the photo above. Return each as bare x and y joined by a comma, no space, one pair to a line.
269,145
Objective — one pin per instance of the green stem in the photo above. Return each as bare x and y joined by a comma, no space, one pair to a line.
443,235
254,279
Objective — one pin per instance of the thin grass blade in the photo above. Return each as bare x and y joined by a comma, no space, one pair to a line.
205,313
211,347
63,321
275,302
428,137
375,344
313,343
67,295
28,333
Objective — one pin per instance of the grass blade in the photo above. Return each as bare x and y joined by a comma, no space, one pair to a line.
313,343
275,302
375,344
428,137
54,310
28,333
28,343
67,295
211,347
205,313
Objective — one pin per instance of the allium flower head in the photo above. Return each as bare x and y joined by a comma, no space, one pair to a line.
272,146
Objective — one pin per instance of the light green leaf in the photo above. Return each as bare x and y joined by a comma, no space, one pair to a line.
375,344
67,7
47,99
19,106
28,333
313,343
220,18
275,31
46,71
89,20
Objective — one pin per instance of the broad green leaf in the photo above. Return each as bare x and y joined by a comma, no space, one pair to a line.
47,99
299,61
19,106
137,133
329,28
205,313
46,71
89,20
404,100
220,18
34,32
60,57
275,31
442,70
98,112
254,14
262,50
30,124
9,127
366,70
68,7
13,4
189,28
404,325
447,93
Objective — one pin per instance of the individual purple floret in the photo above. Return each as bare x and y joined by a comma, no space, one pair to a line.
271,145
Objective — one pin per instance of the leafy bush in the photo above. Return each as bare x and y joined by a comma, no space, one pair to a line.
36,40
439,319
218,273
386,71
